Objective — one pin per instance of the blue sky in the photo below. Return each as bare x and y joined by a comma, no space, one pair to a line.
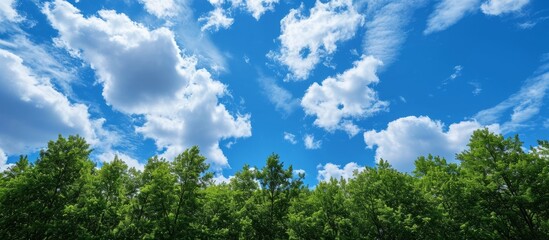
331,86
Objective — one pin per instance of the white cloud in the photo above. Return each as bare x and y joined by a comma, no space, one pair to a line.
385,29
44,60
255,7
449,12
258,7
8,12
330,170
457,72
520,107
280,97
219,179
33,112
345,96
310,143
477,88
407,138
453,76
3,161
161,8
131,162
215,20
143,72
307,39
527,25
290,137
498,7
299,171
179,17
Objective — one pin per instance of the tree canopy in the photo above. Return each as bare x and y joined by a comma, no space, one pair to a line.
496,190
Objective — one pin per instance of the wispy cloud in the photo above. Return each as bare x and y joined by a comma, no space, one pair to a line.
290,137
519,107
280,97
498,7
449,12
477,88
452,77
386,27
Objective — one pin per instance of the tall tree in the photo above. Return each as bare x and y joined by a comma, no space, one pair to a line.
189,168
278,187
505,179
35,204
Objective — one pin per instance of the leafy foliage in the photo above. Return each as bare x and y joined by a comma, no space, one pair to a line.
497,191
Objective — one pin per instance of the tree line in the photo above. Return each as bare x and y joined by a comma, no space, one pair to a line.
499,190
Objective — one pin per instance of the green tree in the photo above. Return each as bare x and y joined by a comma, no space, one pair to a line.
322,213
385,204
505,178
189,168
278,187
34,204
244,187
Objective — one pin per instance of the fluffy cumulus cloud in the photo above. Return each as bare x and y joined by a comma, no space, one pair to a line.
407,138
7,11
161,8
449,12
256,7
215,20
143,72
305,40
310,142
498,7
521,106
34,112
330,170
346,96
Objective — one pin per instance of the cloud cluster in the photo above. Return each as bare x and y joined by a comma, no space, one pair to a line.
305,40
219,17
34,112
407,138
330,170
338,100
143,72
